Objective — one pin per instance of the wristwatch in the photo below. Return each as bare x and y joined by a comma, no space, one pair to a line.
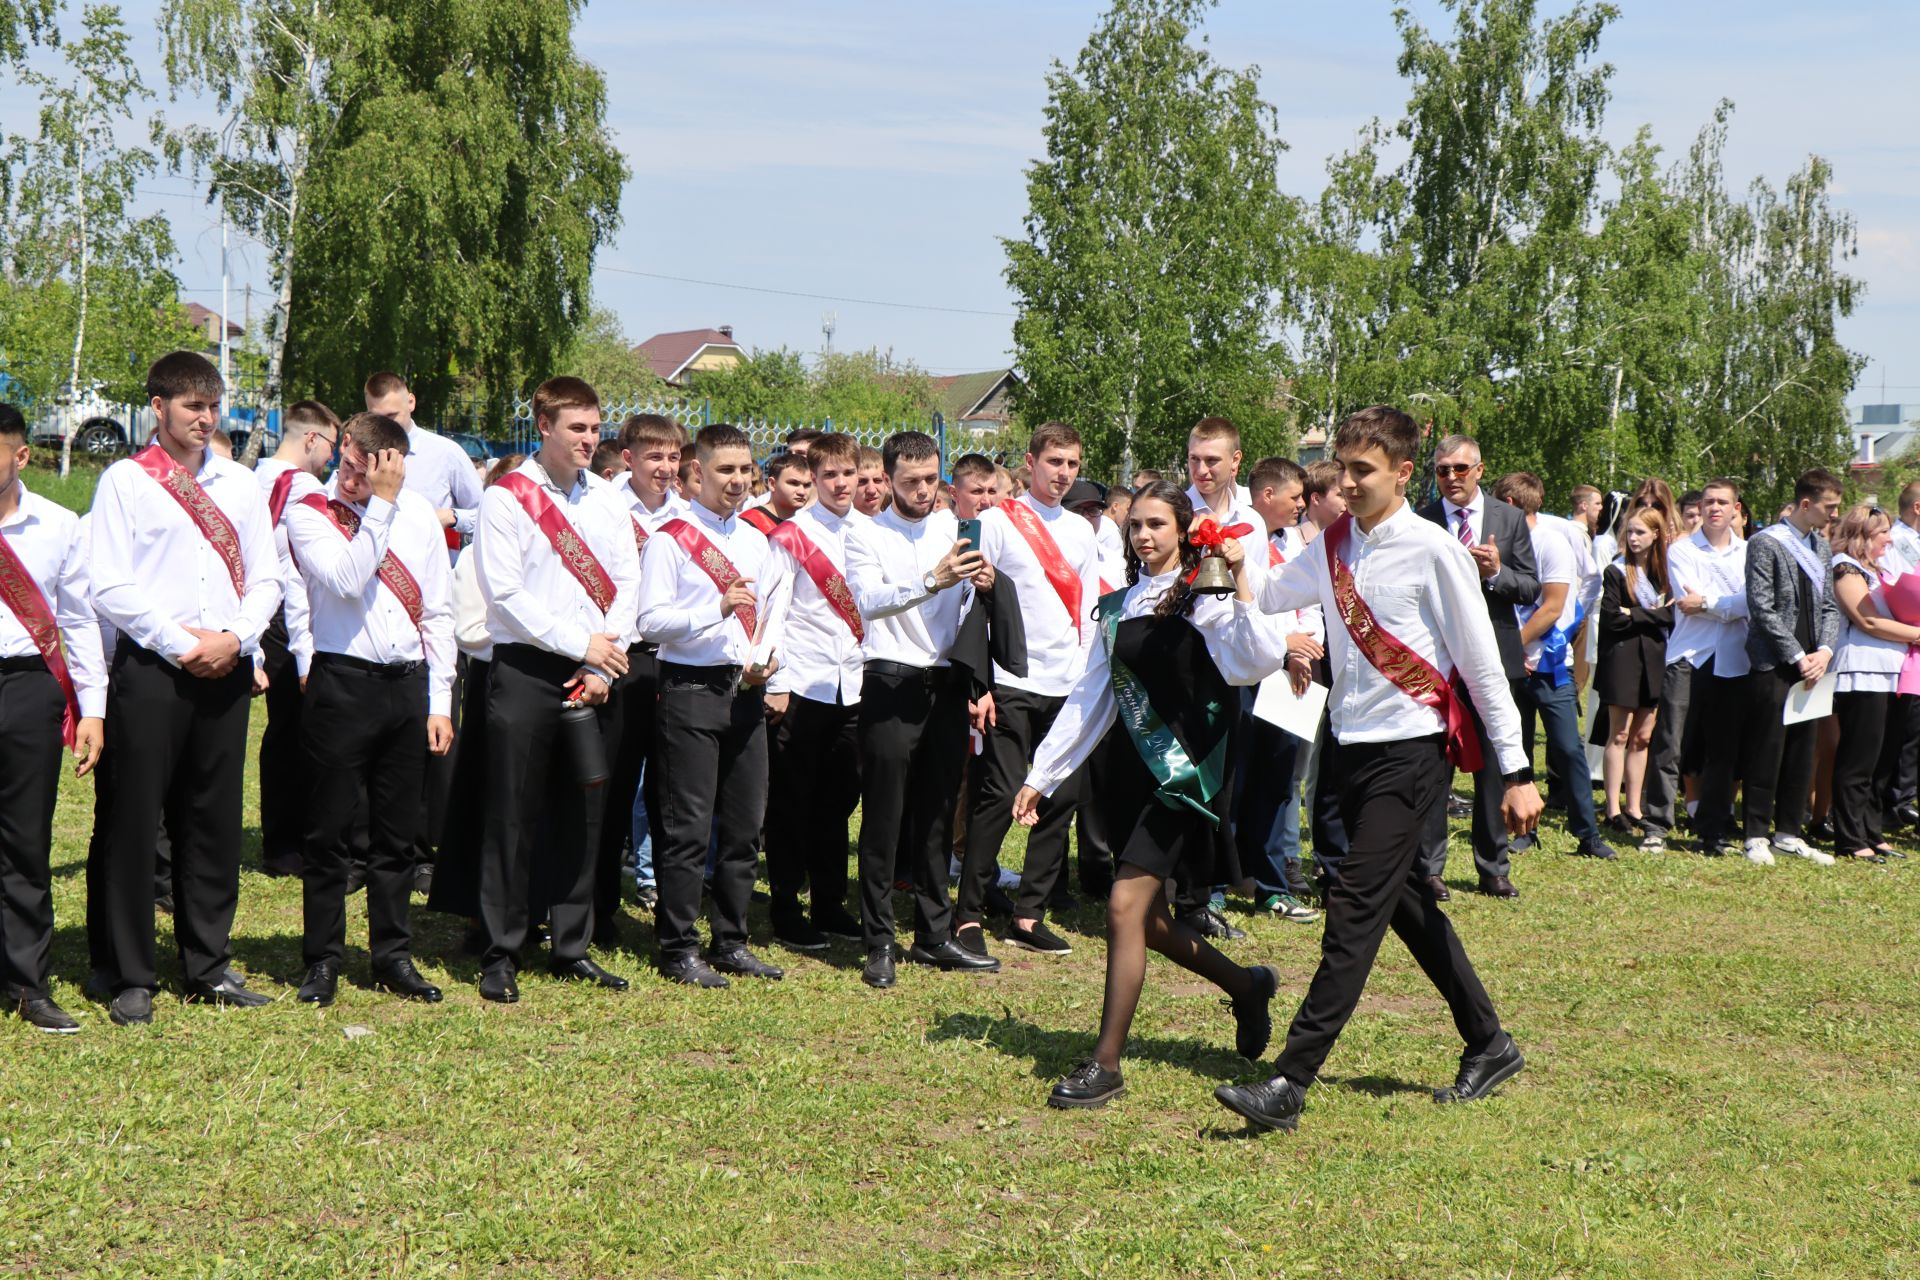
931,583
1518,776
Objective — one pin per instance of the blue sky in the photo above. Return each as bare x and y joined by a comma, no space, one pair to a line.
875,151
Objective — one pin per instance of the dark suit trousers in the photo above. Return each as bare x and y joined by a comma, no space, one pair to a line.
1863,767
285,773
438,780
815,786
1718,709
1489,827
542,825
1386,791
712,735
366,731
31,705
1906,774
1022,720
1660,804
179,746
913,742
1776,762
636,697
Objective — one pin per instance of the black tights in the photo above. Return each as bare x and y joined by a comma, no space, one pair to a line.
1138,919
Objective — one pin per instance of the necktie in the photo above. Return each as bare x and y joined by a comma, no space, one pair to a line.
1466,534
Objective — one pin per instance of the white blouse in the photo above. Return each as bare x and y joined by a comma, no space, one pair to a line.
1864,663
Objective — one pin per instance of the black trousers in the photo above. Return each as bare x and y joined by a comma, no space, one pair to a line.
365,731
456,872
1328,831
31,705
636,695
1719,713
1871,725
815,784
440,771
542,825
712,734
177,744
1489,827
285,772
1022,720
1660,804
1386,792
1905,785
1776,760
913,741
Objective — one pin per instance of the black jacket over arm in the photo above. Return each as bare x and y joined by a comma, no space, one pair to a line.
1517,583
1633,645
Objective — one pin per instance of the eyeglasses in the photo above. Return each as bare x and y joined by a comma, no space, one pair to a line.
1447,470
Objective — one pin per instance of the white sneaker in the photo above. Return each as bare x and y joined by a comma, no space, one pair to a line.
1798,848
1758,853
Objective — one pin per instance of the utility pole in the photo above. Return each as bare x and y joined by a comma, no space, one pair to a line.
226,279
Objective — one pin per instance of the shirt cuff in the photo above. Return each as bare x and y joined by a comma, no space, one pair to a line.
93,703
440,704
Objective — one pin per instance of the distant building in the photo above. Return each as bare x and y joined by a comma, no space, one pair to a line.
677,356
978,403
208,322
1883,433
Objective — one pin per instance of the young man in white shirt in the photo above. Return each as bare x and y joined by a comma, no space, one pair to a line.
913,579
555,561
813,704
872,489
48,694
1052,558
1408,592
1213,467
789,488
184,568
379,698
437,469
699,601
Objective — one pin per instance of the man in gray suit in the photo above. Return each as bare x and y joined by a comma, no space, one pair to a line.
1497,537
1793,623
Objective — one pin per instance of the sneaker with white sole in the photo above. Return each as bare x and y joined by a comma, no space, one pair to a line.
1758,853
1287,907
1653,842
1794,846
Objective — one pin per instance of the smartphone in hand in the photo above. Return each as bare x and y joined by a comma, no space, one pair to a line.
970,530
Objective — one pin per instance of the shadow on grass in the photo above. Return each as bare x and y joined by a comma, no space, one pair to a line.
1054,1053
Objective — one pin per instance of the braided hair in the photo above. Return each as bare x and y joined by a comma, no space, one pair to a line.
1179,600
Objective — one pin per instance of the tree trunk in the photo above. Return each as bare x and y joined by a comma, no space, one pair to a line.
80,325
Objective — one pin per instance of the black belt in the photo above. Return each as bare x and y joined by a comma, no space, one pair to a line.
720,679
385,670
901,671
17,666
644,647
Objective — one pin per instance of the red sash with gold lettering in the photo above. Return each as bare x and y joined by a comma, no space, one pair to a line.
566,540
208,518
832,583
639,535
392,572
1406,670
1060,575
277,500
711,561
20,593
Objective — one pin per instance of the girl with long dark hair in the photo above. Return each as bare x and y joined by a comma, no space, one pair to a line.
1153,714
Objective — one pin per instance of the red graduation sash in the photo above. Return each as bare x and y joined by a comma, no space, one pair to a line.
22,594
392,572
639,535
762,519
1060,576
567,543
832,583
277,500
711,561
208,518
1406,670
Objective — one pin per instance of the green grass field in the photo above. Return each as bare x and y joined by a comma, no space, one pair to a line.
1720,1083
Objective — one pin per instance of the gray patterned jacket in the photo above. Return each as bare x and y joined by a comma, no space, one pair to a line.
1772,575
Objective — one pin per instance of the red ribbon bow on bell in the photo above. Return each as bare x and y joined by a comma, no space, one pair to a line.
1207,534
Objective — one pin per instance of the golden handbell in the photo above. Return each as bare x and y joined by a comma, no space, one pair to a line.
1214,578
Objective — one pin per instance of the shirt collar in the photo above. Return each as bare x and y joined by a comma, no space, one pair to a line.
722,524
1475,508
1387,529
539,473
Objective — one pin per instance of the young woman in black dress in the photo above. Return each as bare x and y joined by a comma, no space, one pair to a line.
1636,616
1153,714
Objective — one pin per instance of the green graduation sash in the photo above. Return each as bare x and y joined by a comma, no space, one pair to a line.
1183,784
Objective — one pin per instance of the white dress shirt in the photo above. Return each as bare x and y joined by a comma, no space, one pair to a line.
1424,591
155,574
647,520
1239,512
293,605
1906,545
1244,651
888,559
441,472
819,658
1057,648
470,611
1113,553
46,539
1289,545
353,613
532,597
1476,517
680,604
1718,631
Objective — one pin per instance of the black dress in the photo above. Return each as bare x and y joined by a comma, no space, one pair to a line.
1633,645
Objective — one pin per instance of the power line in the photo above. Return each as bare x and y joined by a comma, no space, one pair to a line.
818,297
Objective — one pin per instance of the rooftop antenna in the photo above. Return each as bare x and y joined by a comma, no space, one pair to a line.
827,321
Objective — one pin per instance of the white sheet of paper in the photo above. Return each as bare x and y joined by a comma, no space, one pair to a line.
1299,716
1809,704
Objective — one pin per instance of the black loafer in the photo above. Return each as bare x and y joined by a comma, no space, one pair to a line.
973,941
403,980
879,968
1087,1086
584,970
132,1007
497,985
1037,937
690,970
1252,1016
321,984
798,935
1481,1073
742,963
1270,1104
42,1012
227,995
951,957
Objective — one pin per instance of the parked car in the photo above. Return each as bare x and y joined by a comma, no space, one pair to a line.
101,429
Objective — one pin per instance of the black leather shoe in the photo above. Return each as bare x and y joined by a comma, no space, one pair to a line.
1498,887
497,985
227,994
1037,937
42,1012
1596,848
742,963
1906,815
1252,1019
1270,1104
1481,1073
585,970
838,922
1209,923
879,968
952,958
322,983
1087,1086
690,970
405,981
972,940
1822,831
646,896
132,1007
797,935
1437,889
